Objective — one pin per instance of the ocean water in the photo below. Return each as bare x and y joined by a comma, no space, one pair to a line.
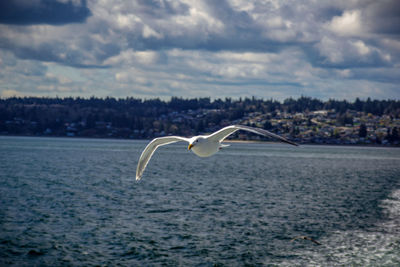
75,202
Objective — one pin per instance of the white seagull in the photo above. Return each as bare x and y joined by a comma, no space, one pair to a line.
201,145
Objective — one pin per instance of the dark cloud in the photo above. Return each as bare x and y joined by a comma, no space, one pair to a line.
239,26
235,20
326,13
160,9
43,12
60,53
383,17
240,31
383,75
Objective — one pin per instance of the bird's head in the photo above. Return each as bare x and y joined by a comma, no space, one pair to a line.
194,142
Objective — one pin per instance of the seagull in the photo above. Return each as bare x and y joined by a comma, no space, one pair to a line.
305,238
201,145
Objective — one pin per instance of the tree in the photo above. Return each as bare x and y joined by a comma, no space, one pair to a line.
344,119
363,131
199,127
394,136
267,125
358,105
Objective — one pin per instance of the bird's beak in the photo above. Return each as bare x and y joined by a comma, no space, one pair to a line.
190,146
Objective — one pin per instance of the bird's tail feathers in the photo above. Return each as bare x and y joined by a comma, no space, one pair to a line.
223,145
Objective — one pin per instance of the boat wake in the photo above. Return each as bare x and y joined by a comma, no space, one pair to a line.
379,246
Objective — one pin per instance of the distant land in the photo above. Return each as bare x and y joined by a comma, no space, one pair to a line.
304,120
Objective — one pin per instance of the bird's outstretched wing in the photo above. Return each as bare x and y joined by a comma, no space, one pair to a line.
225,132
151,147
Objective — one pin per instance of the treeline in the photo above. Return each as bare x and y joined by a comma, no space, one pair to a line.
138,118
142,107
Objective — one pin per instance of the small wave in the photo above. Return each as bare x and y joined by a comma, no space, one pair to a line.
161,210
36,252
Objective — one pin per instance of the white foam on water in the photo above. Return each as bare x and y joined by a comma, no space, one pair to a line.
379,246
391,207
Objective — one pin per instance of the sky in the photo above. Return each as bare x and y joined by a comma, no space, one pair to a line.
200,48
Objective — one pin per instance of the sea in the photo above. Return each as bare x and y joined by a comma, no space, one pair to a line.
75,202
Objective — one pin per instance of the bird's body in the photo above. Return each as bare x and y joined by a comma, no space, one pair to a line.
202,145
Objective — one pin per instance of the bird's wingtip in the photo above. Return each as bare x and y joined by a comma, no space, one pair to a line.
291,143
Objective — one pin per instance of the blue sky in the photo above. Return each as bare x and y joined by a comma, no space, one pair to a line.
192,48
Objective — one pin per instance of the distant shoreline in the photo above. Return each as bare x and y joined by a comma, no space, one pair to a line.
225,141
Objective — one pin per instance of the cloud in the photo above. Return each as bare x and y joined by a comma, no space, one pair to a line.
190,48
130,57
366,18
28,12
348,24
382,17
345,53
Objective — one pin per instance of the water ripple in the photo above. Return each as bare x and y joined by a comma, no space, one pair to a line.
75,202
